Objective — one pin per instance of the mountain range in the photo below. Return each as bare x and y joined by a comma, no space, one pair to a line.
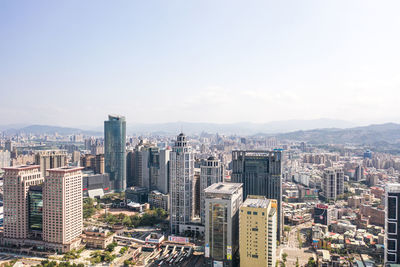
321,132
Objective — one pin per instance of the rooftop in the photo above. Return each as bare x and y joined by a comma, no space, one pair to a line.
66,169
256,202
21,167
223,188
114,117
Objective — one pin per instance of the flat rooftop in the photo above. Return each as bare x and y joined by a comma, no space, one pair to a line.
66,169
21,167
223,188
256,202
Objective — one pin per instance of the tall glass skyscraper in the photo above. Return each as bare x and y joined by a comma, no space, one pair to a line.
115,150
261,174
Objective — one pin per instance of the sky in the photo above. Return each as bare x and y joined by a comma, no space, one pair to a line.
72,62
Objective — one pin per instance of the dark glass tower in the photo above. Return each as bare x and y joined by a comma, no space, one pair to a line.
35,210
261,174
115,150
392,224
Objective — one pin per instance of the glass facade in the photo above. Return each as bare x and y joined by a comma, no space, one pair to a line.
218,230
35,200
115,151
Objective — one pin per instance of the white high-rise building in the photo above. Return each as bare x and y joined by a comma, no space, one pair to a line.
181,171
333,183
211,172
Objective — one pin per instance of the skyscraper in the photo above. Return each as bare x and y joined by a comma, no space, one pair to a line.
359,173
258,225
149,167
181,171
222,202
17,181
114,151
211,172
333,183
49,159
43,213
392,224
261,174
63,207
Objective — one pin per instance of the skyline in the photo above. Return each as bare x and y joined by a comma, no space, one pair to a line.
72,63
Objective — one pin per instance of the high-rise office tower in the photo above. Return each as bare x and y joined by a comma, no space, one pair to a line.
17,181
258,225
333,183
149,167
181,170
114,151
8,146
62,202
359,173
211,172
5,159
50,159
261,174
392,224
222,202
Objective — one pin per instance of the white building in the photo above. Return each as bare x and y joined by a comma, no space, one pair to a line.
181,171
333,183
211,172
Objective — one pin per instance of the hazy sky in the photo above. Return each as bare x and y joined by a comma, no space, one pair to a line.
73,62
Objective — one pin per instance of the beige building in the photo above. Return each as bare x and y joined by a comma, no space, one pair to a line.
62,202
43,213
257,232
50,159
97,237
17,181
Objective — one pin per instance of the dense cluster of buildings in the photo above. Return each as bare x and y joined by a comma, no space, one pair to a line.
236,193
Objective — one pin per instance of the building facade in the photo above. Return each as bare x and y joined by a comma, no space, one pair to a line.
181,170
392,224
49,159
159,200
257,228
211,172
17,181
150,167
43,213
333,183
261,174
63,207
222,203
114,151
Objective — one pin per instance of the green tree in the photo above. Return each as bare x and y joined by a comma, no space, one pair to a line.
284,257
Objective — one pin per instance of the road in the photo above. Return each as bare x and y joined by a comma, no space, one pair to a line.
292,247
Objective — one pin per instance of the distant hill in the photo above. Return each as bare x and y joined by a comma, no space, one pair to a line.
48,129
244,128
377,134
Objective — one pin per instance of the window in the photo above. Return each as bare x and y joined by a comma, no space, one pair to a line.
391,243
254,212
391,257
392,208
392,228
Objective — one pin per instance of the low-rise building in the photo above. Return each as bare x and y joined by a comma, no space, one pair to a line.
97,237
159,200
